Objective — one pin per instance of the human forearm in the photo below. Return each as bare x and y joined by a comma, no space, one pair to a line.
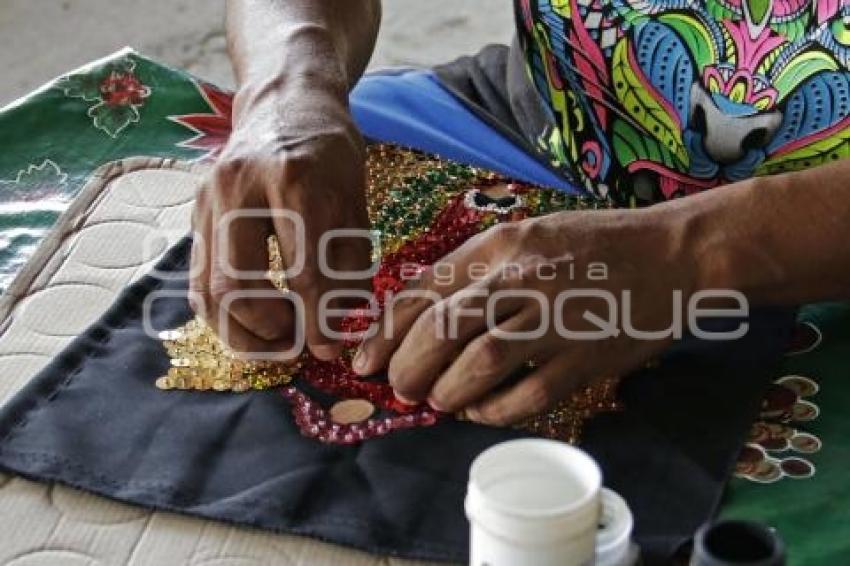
330,40
779,240
299,53
295,148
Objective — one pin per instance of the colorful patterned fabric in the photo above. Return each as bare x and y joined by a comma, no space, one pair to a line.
127,105
52,140
654,99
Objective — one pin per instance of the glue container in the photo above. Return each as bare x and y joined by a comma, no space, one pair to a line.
533,502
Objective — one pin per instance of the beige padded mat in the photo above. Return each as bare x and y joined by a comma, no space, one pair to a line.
128,214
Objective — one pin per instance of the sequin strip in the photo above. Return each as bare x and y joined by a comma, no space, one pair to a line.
423,208
314,422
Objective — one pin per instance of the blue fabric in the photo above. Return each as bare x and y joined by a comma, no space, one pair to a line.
411,108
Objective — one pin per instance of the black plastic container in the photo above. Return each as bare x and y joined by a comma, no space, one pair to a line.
737,543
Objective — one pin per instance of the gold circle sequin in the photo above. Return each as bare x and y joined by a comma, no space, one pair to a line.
351,411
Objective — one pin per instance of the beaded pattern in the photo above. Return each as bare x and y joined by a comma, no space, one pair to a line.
423,208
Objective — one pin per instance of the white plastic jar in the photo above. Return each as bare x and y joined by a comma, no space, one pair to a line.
533,502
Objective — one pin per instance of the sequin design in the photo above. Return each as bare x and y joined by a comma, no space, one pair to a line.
777,446
566,420
200,361
423,208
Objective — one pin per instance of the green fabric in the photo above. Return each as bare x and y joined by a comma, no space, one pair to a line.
813,515
127,105
52,140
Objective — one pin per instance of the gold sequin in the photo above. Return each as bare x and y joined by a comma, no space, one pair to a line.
200,361
277,270
566,420
351,411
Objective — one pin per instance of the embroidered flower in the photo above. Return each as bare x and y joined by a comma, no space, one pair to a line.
123,89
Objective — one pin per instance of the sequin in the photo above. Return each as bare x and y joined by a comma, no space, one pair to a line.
351,411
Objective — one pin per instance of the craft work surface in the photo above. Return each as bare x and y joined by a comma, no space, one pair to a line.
792,474
113,234
392,486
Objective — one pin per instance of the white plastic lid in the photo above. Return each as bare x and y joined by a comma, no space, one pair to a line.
533,491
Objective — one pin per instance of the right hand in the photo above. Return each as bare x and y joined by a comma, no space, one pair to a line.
300,153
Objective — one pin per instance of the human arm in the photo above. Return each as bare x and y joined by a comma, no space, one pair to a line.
777,240
294,147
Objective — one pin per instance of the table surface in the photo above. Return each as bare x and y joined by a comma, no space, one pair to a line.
60,135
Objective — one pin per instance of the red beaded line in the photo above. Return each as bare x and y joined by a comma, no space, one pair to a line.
314,421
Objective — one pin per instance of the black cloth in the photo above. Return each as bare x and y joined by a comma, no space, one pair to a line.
93,419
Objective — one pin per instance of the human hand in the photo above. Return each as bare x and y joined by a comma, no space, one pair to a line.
442,348
298,152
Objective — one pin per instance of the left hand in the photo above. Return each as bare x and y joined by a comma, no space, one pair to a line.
606,251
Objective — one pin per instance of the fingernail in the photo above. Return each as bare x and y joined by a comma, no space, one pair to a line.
434,404
360,360
326,352
472,414
404,400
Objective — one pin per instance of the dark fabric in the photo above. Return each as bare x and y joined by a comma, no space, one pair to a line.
481,81
494,84
93,419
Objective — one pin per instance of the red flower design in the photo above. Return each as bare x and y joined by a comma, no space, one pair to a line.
123,89
212,129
